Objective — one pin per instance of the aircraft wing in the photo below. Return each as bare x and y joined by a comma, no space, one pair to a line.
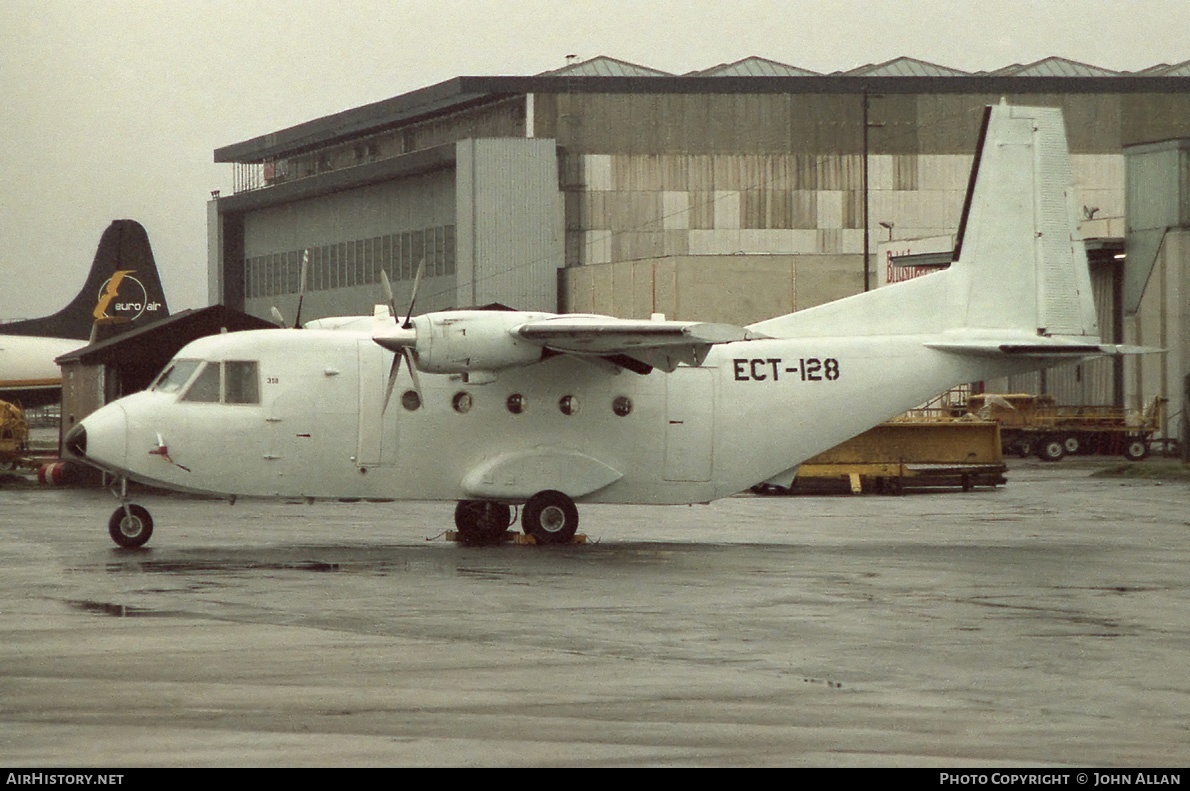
634,344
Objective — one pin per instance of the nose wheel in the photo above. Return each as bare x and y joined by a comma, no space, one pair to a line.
130,526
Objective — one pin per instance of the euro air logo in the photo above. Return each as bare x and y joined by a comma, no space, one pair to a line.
123,297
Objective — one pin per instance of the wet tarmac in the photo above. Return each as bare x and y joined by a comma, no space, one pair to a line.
1046,623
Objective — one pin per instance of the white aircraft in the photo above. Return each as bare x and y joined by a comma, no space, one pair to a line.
123,286
544,411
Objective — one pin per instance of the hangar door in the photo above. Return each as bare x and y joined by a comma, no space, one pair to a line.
690,424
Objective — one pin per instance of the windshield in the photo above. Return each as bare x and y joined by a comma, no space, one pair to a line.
228,382
175,376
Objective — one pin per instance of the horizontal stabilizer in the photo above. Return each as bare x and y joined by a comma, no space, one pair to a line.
1057,348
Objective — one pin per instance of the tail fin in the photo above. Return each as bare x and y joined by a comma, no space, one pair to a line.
1020,261
1020,276
122,287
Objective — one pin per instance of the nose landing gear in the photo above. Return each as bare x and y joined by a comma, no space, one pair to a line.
130,525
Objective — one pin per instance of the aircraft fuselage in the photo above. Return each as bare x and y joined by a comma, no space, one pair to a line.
320,428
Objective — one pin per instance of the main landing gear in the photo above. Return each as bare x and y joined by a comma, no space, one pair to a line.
550,517
130,525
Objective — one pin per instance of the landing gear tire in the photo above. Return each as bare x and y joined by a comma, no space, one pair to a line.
132,528
550,517
482,522
1135,449
1052,449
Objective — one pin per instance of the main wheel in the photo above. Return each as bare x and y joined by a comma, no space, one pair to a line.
1135,448
1052,449
482,522
132,528
550,517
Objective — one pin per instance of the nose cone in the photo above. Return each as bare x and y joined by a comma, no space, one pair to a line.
76,441
102,438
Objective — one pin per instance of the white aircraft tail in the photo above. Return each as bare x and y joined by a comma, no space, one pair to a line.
1019,283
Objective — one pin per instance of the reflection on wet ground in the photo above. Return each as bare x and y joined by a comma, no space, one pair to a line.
1042,623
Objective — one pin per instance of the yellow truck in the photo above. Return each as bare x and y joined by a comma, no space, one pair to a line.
1037,425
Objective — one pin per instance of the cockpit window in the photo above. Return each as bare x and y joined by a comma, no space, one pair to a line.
230,382
205,387
175,376
242,382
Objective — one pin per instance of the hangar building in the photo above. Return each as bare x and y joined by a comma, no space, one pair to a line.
736,193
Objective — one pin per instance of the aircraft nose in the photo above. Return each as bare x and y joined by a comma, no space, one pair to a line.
76,441
101,438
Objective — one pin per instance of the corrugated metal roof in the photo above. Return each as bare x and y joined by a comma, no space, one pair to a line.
901,75
1177,70
1056,67
905,67
603,66
1160,68
753,67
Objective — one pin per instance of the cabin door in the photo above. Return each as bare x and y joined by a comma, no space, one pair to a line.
690,424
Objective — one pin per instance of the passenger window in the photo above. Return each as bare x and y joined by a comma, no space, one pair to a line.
243,383
205,388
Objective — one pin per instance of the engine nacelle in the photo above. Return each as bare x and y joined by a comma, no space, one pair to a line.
460,341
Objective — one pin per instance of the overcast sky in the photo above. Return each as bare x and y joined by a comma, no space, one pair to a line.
112,108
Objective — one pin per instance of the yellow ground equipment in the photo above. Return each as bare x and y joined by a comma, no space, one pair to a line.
14,435
1032,424
909,452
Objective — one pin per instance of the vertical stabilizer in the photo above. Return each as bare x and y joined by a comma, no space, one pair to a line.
122,287
1020,264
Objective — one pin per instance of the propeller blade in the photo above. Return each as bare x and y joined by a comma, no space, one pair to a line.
297,319
421,268
394,371
277,317
388,294
407,353
392,381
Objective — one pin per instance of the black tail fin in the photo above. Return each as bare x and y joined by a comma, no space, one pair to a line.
123,287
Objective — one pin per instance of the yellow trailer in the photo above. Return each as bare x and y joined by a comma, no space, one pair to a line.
1037,425
911,452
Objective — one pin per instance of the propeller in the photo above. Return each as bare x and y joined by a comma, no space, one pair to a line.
278,317
401,344
297,319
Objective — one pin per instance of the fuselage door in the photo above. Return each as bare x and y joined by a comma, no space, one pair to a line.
690,424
